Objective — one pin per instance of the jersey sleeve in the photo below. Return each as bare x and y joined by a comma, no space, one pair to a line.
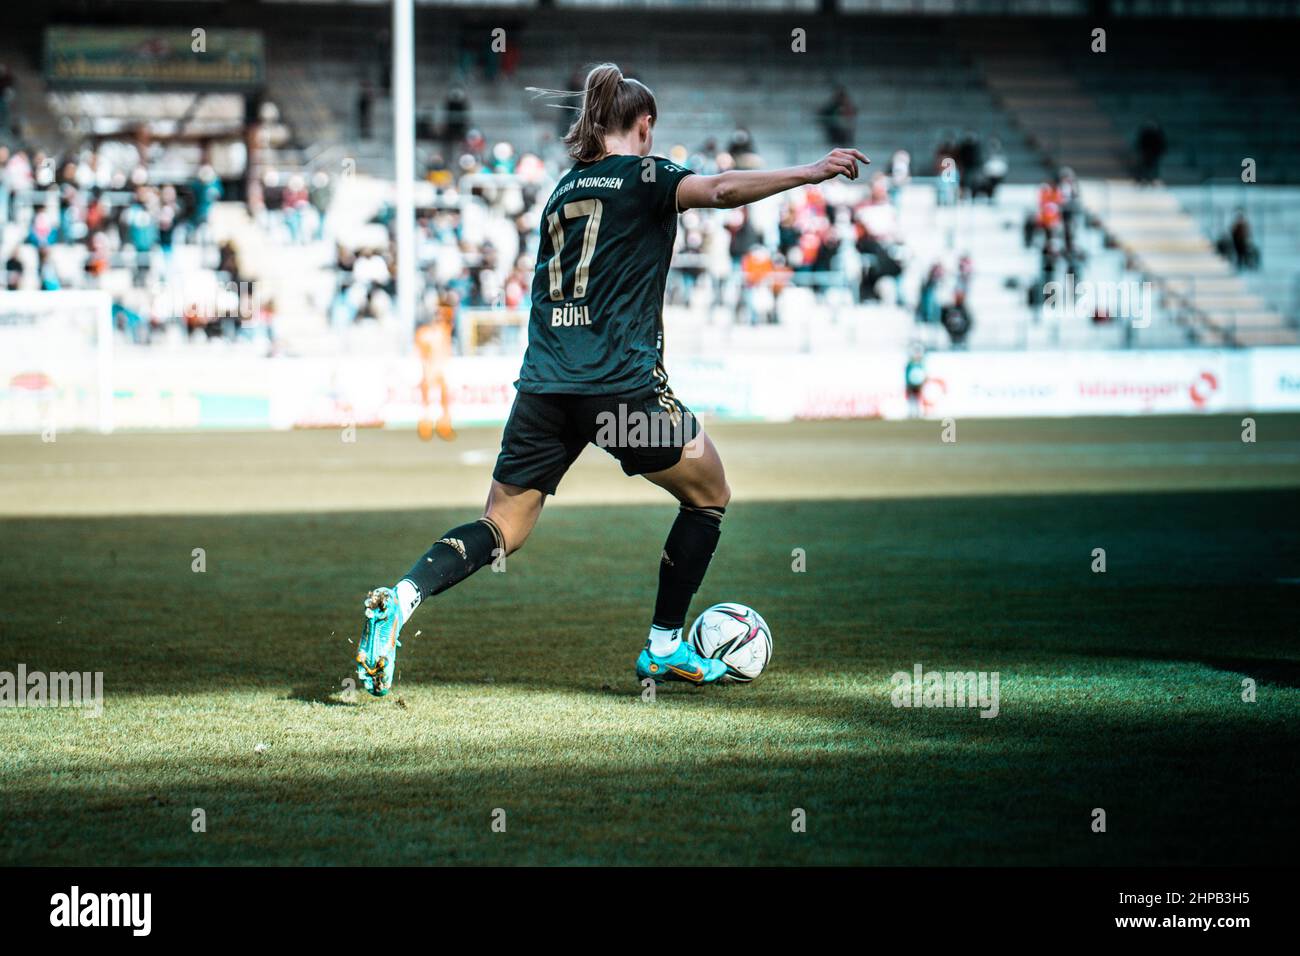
661,179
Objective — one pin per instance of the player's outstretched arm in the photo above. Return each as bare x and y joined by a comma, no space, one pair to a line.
738,187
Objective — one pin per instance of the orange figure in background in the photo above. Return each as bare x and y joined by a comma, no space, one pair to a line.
433,341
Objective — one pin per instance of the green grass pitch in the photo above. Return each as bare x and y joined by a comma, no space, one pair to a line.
1120,691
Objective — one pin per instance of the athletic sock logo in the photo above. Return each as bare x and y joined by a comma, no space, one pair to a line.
456,543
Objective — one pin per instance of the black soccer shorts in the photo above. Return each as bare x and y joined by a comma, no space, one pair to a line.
544,435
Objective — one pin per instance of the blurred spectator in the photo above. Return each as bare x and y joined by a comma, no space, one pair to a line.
131,322
743,150
927,303
914,378
365,110
1046,218
1237,245
956,317
168,214
456,119
272,218
1067,198
1151,145
97,260
970,161
501,160
689,261
13,272
208,191
743,234
992,173
96,213
7,94
320,195
956,320
877,263
758,298
838,118
876,240
344,305
48,275
6,189
141,233
228,262
44,229
900,173
297,209
946,169
705,159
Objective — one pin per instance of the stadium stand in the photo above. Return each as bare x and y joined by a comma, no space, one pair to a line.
1272,216
972,124
1171,250
703,76
1200,103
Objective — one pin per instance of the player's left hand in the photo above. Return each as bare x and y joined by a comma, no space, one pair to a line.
841,161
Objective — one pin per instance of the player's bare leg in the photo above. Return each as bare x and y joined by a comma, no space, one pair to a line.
698,479
515,511
699,482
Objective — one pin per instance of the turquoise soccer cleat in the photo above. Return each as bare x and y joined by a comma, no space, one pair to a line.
377,654
683,664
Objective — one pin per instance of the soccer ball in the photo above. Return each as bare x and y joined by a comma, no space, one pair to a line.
736,635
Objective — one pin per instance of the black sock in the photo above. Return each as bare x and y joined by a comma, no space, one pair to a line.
685,560
455,556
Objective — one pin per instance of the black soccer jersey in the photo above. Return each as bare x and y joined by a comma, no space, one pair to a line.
596,325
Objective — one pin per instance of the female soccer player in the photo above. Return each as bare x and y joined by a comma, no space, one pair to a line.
593,372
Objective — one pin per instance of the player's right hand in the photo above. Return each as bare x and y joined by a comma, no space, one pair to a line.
841,161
